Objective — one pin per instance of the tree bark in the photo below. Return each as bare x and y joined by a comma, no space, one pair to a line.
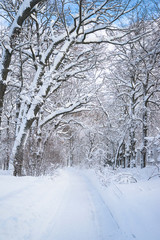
18,161
145,143
18,149
39,152
132,134
15,29
144,125
6,161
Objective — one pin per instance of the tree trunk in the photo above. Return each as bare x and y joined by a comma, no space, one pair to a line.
19,144
132,149
144,125
2,92
18,161
145,143
39,152
15,30
6,161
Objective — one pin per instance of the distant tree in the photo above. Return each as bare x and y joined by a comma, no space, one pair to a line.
134,68
150,82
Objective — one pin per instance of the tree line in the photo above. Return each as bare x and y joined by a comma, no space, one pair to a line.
66,95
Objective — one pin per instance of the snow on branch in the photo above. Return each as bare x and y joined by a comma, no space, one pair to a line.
62,111
23,12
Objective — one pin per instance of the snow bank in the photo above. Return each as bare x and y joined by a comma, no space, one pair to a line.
135,206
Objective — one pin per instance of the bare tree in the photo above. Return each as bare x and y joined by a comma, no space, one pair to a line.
134,69
58,29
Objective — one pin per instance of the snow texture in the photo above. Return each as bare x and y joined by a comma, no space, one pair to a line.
22,8
74,206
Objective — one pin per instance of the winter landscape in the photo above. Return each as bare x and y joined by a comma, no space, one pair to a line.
81,204
79,120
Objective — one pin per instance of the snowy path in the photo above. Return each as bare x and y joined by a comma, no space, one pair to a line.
82,214
66,208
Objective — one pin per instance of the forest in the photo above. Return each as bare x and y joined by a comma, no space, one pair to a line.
79,84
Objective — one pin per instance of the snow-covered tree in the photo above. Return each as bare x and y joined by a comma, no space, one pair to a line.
50,36
134,68
150,82
15,13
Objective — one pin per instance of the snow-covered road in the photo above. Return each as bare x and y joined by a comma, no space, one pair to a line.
81,213
67,207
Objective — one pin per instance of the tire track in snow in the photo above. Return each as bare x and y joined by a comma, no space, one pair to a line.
27,215
83,214
18,191
108,227
68,208
74,221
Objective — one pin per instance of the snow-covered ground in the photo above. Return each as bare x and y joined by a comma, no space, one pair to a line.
74,205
